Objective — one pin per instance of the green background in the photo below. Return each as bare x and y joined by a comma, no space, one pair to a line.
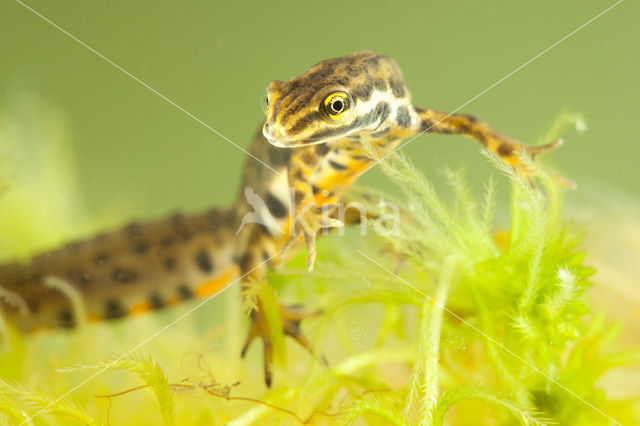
135,155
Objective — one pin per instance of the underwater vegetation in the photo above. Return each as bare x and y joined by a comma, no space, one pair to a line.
449,319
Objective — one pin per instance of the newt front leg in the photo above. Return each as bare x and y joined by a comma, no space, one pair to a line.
508,149
307,218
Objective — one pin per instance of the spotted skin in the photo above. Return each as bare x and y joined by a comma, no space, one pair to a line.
314,136
128,272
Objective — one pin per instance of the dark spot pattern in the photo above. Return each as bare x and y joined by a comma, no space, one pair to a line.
279,157
504,150
322,149
308,158
275,206
299,197
427,126
167,241
79,276
185,233
66,319
34,305
177,220
244,262
142,247
101,258
264,229
157,301
204,261
185,292
113,309
298,175
170,264
123,275
133,231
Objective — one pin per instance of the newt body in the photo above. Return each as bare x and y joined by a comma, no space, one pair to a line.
314,134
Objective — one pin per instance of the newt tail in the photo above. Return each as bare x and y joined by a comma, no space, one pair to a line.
128,272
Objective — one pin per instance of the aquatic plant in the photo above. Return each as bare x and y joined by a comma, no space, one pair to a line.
451,319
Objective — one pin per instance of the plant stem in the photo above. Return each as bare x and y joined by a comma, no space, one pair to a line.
431,326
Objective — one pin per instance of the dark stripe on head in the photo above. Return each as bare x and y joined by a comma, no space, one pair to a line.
397,88
379,113
277,107
320,72
352,71
385,111
373,62
304,122
361,157
337,166
331,132
379,84
298,104
402,117
275,206
362,92
380,133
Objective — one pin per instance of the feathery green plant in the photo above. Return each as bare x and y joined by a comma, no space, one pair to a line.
450,320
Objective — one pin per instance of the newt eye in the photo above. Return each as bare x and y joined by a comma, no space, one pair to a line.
336,105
